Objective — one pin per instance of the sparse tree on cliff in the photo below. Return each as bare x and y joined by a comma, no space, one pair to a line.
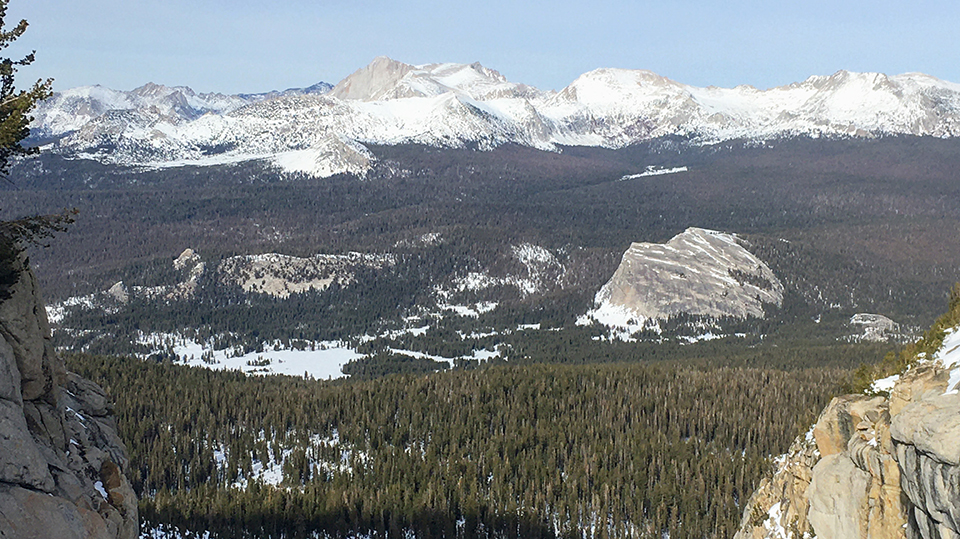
15,104
15,107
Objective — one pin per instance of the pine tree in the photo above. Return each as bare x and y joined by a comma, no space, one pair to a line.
16,104
15,107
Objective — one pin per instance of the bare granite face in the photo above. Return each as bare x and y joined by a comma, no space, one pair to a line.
698,272
871,468
61,461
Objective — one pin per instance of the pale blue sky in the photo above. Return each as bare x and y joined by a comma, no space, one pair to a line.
246,46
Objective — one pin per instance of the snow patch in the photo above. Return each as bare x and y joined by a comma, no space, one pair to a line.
653,171
884,384
949,357
472,311
773,524
322,360
57,311
99,487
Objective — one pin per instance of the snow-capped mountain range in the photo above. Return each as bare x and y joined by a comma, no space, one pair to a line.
322,130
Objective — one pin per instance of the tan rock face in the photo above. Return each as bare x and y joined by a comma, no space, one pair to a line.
54,443
838,498
926,439
375,81
932,426
841,418
884,468
787,491
914,384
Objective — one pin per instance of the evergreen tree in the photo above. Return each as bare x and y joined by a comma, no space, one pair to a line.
15,107
16,104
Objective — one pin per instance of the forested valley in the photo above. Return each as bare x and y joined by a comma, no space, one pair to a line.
566,431
615,450
855,224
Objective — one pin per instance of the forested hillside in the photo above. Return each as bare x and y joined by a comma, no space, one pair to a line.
848,226
867,221
618,450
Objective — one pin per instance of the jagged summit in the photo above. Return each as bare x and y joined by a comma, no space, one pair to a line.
72,109
385,79
319,88
378,80
453,105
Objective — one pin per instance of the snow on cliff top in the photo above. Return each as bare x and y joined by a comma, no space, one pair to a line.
949,356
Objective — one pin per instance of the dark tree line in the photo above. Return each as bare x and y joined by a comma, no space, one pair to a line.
509,451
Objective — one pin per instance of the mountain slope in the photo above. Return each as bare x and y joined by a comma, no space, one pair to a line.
455,105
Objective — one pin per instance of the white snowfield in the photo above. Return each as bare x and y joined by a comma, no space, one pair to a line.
321,360
318,360
451,105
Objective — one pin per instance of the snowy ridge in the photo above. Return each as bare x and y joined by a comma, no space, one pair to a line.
321,132
72,109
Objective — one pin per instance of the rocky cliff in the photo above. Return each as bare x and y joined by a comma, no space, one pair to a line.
878,465
62,464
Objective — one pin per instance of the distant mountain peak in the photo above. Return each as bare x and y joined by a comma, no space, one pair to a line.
453,105
387,79
372,82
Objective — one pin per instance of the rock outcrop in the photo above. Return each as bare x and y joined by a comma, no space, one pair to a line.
874,328
62,463
698,272
872,467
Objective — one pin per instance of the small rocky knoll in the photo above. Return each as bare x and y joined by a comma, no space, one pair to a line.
281,275
874,466
62,464
270,274
698,272
869,327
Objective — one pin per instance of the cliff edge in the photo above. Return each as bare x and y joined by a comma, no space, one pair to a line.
62,464
879,465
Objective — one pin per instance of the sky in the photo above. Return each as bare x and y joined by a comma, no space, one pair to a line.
241,46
